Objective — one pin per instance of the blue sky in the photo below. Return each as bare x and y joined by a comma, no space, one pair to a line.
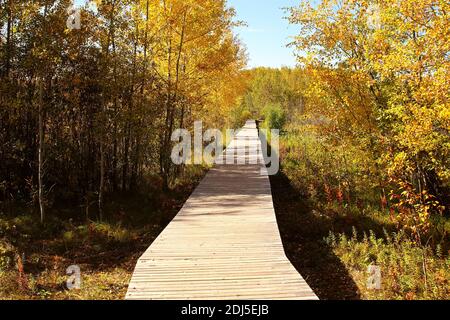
267,33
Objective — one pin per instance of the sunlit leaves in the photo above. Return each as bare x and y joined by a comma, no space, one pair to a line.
380,69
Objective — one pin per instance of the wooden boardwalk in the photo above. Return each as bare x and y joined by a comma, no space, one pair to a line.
224,244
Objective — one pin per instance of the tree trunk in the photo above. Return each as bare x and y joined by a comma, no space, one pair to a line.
102,180
9,31
41,152
101,188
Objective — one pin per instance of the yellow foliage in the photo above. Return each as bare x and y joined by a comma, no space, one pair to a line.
379,73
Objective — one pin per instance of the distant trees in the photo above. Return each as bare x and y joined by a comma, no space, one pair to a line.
87,112
274,93
275,117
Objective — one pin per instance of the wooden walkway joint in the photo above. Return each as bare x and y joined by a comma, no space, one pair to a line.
224,244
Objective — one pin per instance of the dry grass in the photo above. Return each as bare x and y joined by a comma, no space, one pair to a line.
34,258
106,255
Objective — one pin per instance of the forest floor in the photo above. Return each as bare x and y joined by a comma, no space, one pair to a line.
332,247
34,259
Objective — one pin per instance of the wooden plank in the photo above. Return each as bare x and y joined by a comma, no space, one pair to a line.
224,244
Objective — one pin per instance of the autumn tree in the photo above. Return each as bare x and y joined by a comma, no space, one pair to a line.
379,74
89,112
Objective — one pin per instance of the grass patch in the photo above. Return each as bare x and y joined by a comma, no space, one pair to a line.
335,224
34,267
34,258
408,271
333,245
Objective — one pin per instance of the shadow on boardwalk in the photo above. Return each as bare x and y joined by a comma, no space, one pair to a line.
302,234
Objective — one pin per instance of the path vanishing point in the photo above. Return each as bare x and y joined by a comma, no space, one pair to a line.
224,244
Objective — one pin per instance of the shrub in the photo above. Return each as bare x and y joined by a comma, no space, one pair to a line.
275,117
7,253
239,116
409,271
